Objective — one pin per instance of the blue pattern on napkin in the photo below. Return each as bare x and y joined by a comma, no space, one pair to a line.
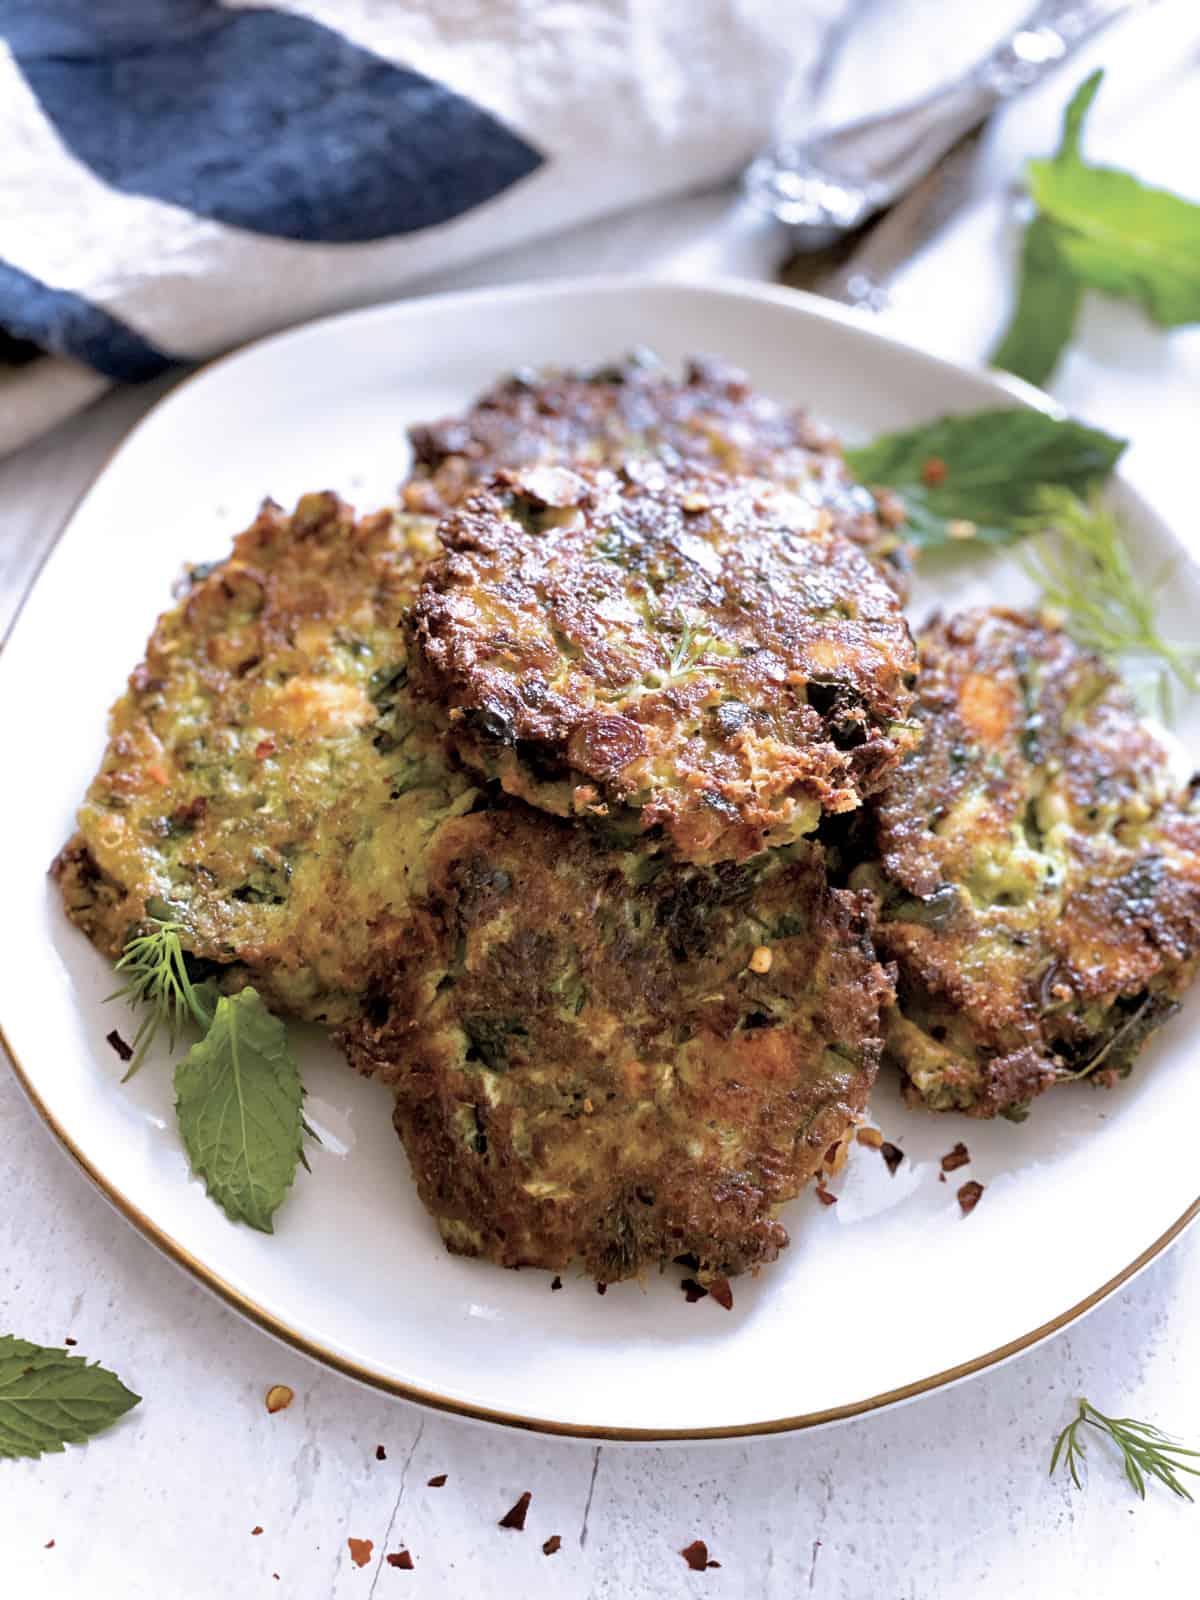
259,119
65,323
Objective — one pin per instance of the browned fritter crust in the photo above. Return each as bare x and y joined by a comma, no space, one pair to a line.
704,657
711,420
590,1060
1039,871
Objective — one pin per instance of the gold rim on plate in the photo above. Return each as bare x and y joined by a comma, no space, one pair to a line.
572,1430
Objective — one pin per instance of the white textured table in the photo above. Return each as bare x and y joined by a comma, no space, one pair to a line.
945,1498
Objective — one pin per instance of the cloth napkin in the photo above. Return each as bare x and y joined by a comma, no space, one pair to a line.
177,176
181,175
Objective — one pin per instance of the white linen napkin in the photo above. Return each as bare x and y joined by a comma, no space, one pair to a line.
177,176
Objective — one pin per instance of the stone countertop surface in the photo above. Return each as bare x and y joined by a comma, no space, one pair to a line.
943,1498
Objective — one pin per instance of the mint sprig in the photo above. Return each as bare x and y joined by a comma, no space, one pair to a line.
1048,299
979,475
239,1098
239,1101
1096,228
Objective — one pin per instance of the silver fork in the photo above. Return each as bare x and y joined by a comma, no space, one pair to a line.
829,184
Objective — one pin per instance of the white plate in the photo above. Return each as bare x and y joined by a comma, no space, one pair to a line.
886,1294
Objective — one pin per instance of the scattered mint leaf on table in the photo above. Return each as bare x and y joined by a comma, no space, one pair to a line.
1117,233
1048,298
1146,1451
49,1399
977,476
239,1100
1099,228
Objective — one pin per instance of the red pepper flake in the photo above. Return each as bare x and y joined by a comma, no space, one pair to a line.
158,772
254,1532
436,1483
263,749
693,1290
380,1453
696,1556
402,1559
552,1545
824,1196
557,1283
515,1518
69,1340
721,1292
968,1197
892,1155
958,1157
933,472
360,1551
49,1545
123,1050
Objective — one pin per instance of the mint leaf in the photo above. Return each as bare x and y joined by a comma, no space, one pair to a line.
1047,305
1080,103
1116,233
976,476
49,1399
239,1097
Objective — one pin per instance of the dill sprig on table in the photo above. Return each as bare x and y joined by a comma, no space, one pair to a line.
1080,559
1146,1451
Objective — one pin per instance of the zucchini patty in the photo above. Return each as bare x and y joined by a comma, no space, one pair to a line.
704,658
265,782
1038,869
711,419
606,1055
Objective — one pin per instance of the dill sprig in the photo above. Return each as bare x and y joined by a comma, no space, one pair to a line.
1146,1451
1082,564
690,647
156,970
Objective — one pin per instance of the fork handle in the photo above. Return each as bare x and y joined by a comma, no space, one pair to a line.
832,182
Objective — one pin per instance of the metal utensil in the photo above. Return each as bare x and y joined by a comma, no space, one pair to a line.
828,185
859,275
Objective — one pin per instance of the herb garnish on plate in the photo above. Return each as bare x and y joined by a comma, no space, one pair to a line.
156,976
977,476
1001,476
1082,565
238,1094
239,1100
